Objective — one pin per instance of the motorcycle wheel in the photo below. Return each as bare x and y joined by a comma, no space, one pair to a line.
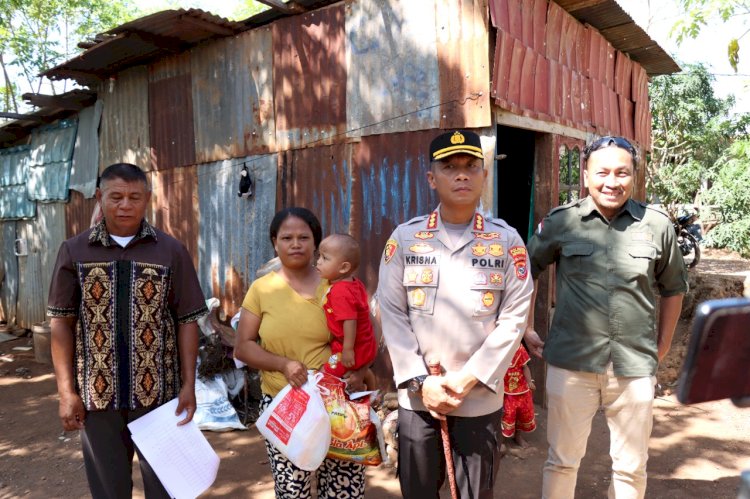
694,255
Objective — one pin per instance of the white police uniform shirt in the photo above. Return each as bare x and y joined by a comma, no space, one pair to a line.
464,304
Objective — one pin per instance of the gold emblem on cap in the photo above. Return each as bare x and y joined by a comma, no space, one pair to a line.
458,138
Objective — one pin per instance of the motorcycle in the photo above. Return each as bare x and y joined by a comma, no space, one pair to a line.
689,236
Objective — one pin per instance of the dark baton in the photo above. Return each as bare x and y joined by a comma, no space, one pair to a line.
435,370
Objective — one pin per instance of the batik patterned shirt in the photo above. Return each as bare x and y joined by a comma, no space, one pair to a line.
128,303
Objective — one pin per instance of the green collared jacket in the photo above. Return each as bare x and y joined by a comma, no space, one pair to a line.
608,273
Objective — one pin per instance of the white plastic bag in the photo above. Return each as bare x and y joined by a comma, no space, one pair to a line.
214,412
296,423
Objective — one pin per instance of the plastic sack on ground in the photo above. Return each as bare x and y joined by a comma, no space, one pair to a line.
356,433
297,424
213,411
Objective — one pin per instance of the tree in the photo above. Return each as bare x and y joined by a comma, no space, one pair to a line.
248,8
35,35
691,129
730,192
699,12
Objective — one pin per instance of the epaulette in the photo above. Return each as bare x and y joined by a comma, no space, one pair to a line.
500,222
654,208
414,220
566,206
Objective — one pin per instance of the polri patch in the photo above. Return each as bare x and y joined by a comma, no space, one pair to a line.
390,250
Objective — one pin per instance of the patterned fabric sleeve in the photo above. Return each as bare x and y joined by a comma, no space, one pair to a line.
189,302
64,293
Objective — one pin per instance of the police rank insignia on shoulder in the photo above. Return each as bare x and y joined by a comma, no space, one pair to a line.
390,250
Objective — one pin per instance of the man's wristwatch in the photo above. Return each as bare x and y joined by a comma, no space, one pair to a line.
415,384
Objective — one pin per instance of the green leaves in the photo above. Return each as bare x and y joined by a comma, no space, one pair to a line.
733,51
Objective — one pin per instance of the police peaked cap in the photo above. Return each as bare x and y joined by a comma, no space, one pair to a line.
455,142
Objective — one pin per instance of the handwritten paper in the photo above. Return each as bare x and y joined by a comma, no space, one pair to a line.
181,456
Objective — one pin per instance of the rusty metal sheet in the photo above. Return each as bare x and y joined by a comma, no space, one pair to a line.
174,205
528,70
515,19
527,23
555,89
501,68
593,50
567,92
388,188
233,235
462,47
142,40
85,165
553,38
170,110
597,103
609,65
542,87
626,117
514,75
309,78
43,237
623,74
78,213
392,79
576,98
569,34
124,129
539,14
318,178
499,14
9,262
233,96
614,112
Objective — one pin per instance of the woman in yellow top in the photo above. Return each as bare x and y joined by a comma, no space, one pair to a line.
284,310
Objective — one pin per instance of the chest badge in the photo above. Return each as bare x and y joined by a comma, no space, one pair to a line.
421,248
479,249
480,279
411,276
487,236
424,234
496,249
488,298
427,276
496,279
418,297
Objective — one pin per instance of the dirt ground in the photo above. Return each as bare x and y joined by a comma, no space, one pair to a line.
695,452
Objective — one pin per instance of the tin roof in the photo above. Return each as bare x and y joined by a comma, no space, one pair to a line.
142,40
623,33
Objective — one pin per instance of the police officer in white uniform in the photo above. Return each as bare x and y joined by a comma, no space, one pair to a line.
454,289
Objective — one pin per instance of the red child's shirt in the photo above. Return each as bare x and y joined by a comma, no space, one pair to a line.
347,300
515,381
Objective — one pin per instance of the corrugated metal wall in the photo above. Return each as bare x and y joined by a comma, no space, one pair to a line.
392,81
462,51
124,135
174,205
233,96
309,78
319,179
43,237
78,211
170,112
9,284
389,187
14,168
551,67
85,165
50,156
233,240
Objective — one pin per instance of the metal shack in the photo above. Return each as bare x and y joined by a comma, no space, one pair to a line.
329,105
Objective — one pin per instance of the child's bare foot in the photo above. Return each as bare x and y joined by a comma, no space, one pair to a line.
520,441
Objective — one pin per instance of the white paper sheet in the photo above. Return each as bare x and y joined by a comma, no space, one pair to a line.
181,456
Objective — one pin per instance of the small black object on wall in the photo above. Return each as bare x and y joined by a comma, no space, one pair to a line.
246,183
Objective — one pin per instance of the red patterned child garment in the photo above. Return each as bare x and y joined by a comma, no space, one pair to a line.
517,404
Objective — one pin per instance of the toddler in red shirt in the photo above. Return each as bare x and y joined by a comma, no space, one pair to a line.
353,342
